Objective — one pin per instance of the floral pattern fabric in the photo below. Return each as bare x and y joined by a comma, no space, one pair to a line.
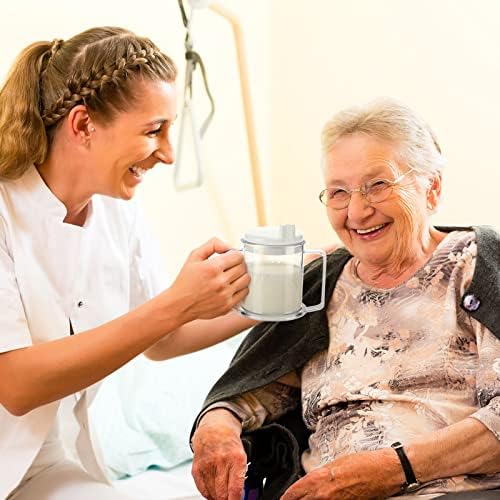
401,363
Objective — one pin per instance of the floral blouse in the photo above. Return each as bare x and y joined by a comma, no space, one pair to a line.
401,363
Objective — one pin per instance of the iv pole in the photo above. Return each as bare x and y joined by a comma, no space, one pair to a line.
247,109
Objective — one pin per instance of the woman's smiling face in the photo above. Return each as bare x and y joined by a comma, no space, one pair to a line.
376,233
135,141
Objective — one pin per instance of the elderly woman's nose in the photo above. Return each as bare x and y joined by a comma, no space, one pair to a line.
359,207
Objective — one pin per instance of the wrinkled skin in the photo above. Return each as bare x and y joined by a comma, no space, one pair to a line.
366,475
219,464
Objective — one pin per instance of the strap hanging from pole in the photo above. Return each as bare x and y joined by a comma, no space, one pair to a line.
193,59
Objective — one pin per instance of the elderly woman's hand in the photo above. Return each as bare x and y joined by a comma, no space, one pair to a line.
219,464
367,475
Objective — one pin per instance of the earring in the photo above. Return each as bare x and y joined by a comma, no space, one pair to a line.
92,129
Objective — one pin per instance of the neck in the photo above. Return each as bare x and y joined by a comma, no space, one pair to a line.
62,178
390,274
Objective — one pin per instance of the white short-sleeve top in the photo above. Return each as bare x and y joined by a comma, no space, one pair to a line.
53,273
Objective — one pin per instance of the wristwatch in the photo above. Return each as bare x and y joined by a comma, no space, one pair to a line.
412,483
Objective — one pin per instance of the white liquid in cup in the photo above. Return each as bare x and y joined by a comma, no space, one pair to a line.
275,288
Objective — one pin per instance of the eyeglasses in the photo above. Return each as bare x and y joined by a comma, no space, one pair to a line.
375,191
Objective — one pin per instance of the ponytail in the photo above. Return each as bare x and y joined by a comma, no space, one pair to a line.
23,138
97,68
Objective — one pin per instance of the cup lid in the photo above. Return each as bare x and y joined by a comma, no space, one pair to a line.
286,234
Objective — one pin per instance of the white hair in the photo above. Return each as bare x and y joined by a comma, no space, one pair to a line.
392,121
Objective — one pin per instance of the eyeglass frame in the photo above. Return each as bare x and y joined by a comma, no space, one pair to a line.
362,191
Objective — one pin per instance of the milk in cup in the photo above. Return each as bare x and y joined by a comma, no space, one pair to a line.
276,288
274,260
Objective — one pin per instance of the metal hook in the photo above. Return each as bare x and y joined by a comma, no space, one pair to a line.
192,60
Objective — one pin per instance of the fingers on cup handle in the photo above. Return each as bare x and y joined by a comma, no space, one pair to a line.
238,276
229,260
241,284
215,245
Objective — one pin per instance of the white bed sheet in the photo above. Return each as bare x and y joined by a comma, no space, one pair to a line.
173,484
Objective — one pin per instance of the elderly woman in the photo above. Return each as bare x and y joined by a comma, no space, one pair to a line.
394,388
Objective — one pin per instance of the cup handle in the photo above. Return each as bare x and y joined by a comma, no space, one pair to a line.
319,306
237,308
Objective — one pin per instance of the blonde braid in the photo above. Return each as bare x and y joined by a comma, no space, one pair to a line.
47,58
55,46
77,92
97,67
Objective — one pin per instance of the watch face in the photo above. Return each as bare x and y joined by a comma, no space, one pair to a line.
410,488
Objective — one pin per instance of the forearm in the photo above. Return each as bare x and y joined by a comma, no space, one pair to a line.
266,404
198,335
467,447
37,375
220,417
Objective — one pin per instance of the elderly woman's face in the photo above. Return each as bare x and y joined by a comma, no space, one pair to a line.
372,230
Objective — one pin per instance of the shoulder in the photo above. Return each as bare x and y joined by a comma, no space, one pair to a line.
481,298
8,190
488,245
481,243
487,238
486,277
12,200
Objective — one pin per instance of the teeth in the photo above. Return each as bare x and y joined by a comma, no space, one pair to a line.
369,230
139,172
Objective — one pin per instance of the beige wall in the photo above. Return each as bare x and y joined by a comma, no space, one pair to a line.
439,56
307,59
224,205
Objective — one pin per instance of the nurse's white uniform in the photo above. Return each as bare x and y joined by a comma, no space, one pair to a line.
53,274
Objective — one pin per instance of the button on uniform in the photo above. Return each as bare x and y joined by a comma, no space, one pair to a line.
471,302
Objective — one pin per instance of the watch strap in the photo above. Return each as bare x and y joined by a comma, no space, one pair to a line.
411,484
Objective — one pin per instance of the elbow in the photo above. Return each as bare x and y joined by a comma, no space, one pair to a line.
15,408
19,411
15,402
162,350
155,354
16,393
150,354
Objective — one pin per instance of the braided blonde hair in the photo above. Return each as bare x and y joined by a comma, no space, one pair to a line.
98,68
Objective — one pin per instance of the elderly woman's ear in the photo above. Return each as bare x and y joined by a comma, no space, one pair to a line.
434,192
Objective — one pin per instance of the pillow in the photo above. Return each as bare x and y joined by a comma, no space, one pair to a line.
143,413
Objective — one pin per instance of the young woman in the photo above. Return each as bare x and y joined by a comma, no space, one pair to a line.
82,121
